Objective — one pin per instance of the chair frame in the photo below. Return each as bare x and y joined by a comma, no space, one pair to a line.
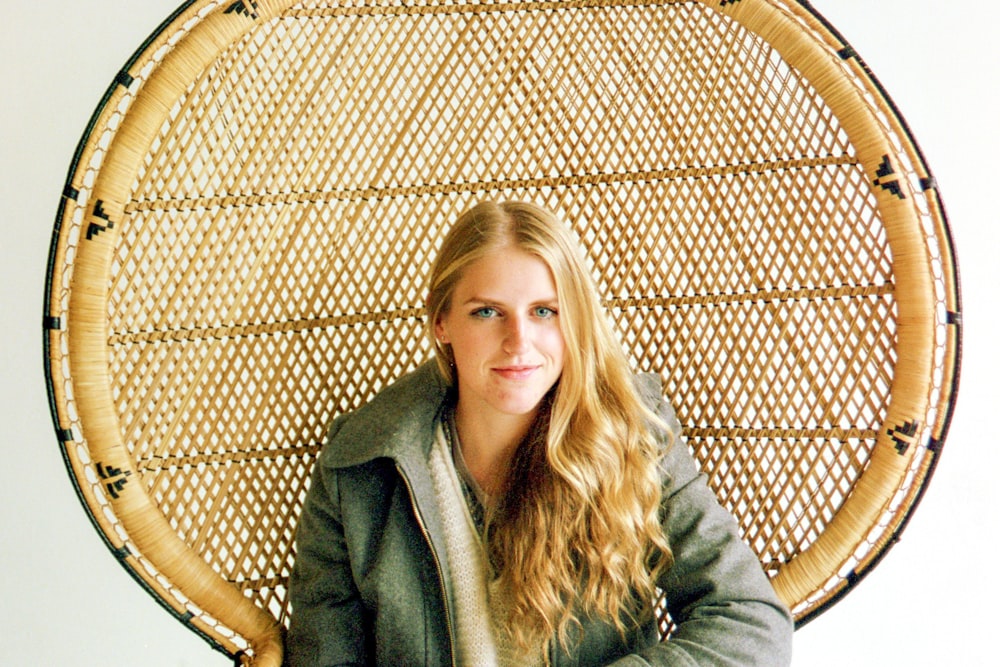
94,208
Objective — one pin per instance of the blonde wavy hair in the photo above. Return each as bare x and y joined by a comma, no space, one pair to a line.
576,532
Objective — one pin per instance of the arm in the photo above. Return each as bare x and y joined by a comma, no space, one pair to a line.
327,616
725,609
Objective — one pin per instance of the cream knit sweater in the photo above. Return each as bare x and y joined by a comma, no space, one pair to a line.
479,639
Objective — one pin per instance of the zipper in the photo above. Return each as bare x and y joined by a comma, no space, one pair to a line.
437,561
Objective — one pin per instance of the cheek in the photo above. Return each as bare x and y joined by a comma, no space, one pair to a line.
553,342
468,343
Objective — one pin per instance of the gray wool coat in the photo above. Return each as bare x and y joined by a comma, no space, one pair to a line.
370,584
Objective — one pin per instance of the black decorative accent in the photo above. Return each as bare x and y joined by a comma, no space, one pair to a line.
887,179
953,317
903,434
893,188
934,445
248,9
847,53
885,169
52,323
94,228
69,192
99,210
852,578
65,435
122,552
929,183
124,79
115,479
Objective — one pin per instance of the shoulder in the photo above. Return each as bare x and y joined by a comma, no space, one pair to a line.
398,421
678,467
650,388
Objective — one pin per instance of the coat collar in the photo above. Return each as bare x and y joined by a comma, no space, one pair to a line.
398,423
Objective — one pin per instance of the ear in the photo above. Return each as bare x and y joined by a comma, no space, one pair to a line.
441,333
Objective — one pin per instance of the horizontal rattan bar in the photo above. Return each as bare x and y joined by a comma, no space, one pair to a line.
262,329
470,8
219,458
783,433
733,432
758,296
566,181
258,584
623,303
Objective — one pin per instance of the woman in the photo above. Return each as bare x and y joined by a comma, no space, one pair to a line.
521,501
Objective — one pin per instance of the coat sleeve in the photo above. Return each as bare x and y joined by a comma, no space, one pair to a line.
723,605
327,621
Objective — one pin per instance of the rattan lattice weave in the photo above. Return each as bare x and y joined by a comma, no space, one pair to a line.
240,251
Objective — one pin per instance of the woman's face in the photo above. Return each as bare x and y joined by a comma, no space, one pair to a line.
503,328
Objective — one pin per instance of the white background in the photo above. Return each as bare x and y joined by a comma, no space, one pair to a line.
65,600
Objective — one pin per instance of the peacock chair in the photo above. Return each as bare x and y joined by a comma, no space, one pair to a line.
240,251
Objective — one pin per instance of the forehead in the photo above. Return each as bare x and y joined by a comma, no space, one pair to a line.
506,272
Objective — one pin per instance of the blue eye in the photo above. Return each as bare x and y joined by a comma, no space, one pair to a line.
485,312
545,312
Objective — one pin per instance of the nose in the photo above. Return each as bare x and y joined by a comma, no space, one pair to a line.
517,335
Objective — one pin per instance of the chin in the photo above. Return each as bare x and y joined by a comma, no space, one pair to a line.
520,407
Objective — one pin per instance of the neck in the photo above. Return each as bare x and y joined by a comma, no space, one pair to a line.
488,444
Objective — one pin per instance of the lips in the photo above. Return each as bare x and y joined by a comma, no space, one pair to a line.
515,372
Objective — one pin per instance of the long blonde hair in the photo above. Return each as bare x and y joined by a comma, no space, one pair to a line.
576,532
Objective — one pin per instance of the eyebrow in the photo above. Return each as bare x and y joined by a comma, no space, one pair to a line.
486,301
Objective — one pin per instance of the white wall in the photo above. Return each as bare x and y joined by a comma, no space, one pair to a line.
65,601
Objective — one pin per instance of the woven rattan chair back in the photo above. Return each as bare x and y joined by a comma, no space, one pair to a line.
241,246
